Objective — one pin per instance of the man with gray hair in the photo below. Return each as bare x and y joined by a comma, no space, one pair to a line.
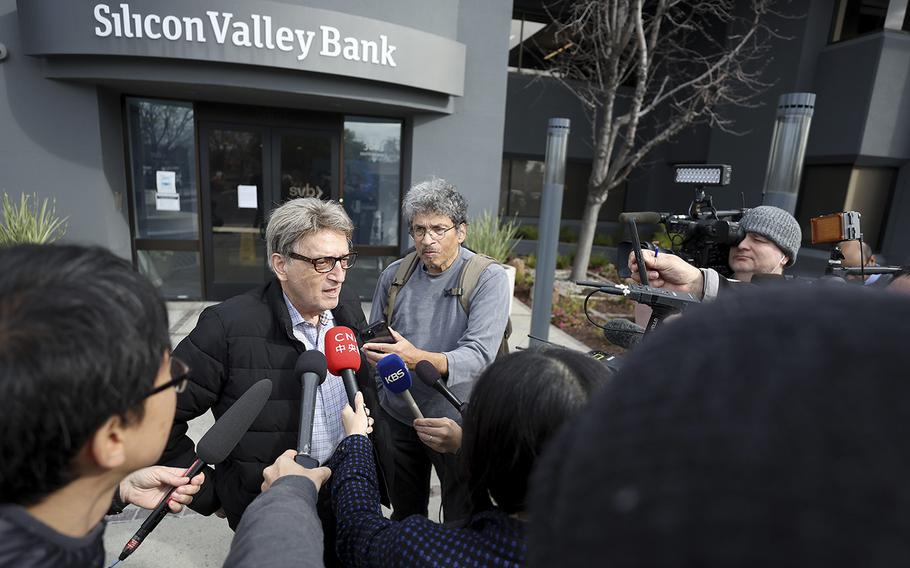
259,335
429,323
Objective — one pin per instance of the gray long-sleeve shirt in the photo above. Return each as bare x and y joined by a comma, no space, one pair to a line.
436,322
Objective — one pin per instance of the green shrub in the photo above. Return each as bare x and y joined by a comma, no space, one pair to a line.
524,280
529,232
489,236
662,239
531,261
564,261
598,261
568,312
32,221
568,235
604,240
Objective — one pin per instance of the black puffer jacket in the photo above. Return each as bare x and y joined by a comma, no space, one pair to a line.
236,343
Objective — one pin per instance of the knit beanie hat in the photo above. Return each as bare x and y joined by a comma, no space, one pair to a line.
776,224
765,433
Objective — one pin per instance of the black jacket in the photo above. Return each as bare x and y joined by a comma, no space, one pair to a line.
235,344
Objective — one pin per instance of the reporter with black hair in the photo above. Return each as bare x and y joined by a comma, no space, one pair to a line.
89,393
519,403
88,398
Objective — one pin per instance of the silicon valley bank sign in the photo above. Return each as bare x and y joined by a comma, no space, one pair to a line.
258,33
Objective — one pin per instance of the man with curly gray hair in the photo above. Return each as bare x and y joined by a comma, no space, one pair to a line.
420,298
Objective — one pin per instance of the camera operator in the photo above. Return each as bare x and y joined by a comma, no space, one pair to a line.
856,255
771,243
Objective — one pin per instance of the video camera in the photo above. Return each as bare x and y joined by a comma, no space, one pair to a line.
702,236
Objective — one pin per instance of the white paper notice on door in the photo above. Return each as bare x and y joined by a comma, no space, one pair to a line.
166,182
246,197
167,201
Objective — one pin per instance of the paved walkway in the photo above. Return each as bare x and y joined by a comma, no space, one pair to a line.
190,540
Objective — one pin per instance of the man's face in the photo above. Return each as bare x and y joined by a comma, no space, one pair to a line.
437,253
756,254
151,433
313,292
852,257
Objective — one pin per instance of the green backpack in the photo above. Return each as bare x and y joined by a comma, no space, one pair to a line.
467,281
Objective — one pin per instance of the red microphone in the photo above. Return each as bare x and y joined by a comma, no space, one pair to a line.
343,357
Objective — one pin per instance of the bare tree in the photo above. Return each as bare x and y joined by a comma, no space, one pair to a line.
646,70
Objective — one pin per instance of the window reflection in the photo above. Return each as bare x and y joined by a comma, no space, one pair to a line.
163,169
522,185
372,178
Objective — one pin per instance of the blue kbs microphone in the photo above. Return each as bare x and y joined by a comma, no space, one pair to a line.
397,379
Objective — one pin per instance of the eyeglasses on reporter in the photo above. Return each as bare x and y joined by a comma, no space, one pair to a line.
180,376
327,263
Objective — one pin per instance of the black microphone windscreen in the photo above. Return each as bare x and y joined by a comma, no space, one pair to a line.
623,333
223,436
427,373
640,217
311,361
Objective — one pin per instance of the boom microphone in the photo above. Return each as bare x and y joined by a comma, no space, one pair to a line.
311,368
660,298
663,302
651,217
343,357
623,333
431,377
397,379
212,449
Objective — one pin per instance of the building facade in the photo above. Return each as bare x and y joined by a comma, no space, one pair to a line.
853,54
167,130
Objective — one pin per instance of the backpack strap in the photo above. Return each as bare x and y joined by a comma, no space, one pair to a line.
405,270
467,282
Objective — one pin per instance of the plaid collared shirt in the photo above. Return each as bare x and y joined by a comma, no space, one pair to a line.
330,396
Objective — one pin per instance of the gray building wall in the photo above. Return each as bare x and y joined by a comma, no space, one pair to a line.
63,127
51,145
532,101
803,33
861,117
466,147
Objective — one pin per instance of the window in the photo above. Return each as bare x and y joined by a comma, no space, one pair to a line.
531,43
853,18
162,154
834,188
163,168
372,179
522,184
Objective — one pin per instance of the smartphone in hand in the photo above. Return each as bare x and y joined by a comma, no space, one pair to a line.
377,332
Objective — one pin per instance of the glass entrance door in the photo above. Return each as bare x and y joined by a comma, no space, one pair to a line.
247,172
234,193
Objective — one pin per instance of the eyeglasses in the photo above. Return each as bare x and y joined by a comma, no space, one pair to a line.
435,232
180,376
327,263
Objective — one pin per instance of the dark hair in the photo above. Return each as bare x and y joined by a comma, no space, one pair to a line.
768,429
82,337
517,405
